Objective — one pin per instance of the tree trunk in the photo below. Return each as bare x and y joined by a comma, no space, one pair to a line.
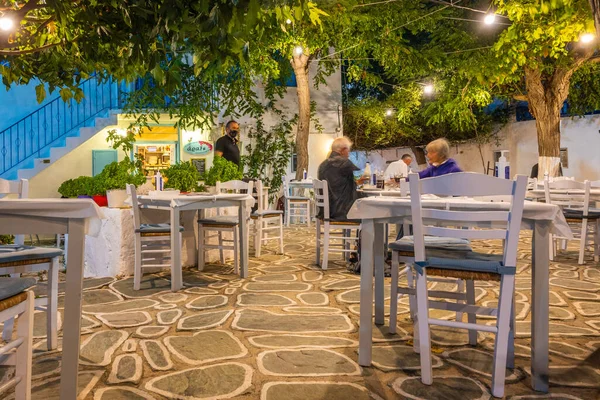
546,95
300,66
595,5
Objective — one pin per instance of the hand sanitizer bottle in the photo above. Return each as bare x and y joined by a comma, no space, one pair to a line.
304,175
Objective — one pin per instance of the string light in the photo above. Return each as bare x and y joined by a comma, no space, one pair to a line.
489,19
428,89
6,24
288,21
587,38
389,112
298,50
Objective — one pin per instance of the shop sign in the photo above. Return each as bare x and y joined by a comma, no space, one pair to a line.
198,148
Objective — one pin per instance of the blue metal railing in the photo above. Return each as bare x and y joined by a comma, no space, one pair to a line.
34,135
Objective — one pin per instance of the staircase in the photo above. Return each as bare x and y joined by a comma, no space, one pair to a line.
38,140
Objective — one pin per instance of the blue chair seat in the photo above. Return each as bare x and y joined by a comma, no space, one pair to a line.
433,245
13,253
578,214
220,220
156,228
10,287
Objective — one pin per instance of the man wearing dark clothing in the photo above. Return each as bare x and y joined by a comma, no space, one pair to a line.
338,171
535,169
226,146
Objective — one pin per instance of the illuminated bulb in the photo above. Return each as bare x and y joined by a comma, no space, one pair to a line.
489,19
428,89
6,24
389,113
298,50
288,21
587,38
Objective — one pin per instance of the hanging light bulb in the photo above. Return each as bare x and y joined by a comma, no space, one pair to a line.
288,21
6,24
298,50
587,38
489,19
389,112
428,89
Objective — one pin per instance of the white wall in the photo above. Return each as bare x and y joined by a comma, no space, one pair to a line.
76,163
580,135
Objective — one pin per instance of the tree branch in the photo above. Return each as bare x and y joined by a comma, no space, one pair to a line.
30,51
520,97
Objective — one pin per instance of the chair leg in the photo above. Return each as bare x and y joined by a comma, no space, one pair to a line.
423,323
236,267
51,307
201,250
471,318
257,236
503,323
412,305
308,213
583,240
460,289
281,234
25,350
325,245
510,356
394,294
318,225
288,210
137,268
597,242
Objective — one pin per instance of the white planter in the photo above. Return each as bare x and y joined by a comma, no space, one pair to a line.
116,198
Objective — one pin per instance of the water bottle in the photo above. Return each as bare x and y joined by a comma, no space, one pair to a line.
158,180
304,175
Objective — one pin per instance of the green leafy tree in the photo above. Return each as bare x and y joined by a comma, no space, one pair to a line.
222,170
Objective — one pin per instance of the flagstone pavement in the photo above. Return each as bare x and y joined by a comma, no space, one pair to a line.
290,331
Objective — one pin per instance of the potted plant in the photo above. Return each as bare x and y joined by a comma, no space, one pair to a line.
80,187
222,170
113,179
182,176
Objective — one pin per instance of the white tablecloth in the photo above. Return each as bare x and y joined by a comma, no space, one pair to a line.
183,200
57,208
386,207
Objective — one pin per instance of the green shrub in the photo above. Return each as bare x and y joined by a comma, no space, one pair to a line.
222,171
117,175
7,239
183,176
81,186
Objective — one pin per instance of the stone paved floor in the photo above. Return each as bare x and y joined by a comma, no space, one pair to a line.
290,332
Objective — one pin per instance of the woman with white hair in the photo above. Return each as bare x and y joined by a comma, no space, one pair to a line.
440,163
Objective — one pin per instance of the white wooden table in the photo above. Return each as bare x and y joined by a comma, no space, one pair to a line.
542,218
75,217
541,194
197,202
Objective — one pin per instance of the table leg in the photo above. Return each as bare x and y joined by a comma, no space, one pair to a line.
176,272
378,260
540,307
72,312
366,294
243,227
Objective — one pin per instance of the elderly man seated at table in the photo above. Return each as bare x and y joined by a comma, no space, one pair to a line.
440,163
338,171
398,168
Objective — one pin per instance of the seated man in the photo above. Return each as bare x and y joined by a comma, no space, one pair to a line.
400,167
338,171
440,163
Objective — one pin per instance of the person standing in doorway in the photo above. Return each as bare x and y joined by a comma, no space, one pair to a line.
226,146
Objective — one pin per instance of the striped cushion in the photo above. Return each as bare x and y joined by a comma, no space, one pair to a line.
13,252
156,228
432,243
578,214
220,219
10,287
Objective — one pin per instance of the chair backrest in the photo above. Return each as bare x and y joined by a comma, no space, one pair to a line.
287,192
504,224
568,194
261,196
321,196
20,187
531,183
135,208
234,187
595,184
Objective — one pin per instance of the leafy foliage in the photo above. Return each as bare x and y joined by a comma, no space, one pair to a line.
222,170
117,175
270,152
182,176
81,186
7,239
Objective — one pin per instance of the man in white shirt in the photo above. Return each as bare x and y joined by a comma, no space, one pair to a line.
400,167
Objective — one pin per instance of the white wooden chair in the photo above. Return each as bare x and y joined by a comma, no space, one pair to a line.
338,230
574,199
468,265
152,242
15,299
296,207
220,224
265,220
18,259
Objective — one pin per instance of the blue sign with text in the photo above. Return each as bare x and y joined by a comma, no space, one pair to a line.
198,148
